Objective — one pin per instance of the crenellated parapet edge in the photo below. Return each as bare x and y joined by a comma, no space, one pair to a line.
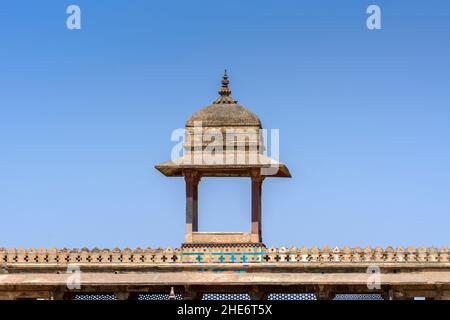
223,254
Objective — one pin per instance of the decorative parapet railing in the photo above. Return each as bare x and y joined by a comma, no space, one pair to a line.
224,254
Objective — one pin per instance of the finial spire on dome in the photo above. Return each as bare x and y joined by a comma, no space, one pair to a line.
224,91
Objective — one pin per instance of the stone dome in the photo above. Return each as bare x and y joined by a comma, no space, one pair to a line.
229,143
224,112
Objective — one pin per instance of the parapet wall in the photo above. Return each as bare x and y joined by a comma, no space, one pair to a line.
225,254
195,270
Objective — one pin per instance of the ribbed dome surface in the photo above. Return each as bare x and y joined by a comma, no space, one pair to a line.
224,112
224,115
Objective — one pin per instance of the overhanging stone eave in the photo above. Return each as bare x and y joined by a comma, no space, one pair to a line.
171,169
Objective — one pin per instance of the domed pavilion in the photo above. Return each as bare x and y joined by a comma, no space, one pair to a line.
223,139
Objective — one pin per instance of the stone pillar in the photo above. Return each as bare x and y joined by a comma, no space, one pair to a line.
325,296
122,295
257,294
324,293
401,295
57,295
387,294
257,180
192,179
193,296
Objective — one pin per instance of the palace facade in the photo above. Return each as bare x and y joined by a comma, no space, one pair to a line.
225,265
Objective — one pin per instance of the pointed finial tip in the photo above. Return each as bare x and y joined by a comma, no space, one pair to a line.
225,91
225,81
225,77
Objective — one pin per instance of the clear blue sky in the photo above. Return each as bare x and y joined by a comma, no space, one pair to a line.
364,119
